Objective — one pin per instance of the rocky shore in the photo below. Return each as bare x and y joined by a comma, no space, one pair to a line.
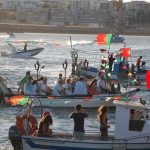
6,27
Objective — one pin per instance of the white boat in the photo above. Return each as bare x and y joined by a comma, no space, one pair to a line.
85,101
21,53
24,54
129,133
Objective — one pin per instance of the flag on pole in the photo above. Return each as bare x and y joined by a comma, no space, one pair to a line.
148,79
104,39
19,100
125,52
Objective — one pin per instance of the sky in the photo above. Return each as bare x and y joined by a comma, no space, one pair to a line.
136,0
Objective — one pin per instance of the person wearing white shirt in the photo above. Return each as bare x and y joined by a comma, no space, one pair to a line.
28,87
67,87
101,87
80,87
43,88
58,88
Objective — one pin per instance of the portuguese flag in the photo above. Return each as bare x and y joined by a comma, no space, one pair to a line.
19,100
104,39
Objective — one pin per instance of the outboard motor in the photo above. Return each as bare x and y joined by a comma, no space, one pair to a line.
15,138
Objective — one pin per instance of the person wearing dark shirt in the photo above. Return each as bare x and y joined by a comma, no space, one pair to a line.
15,134
111,61
138,63
78,115
25,47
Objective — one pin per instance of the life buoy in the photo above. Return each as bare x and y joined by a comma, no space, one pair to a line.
31,122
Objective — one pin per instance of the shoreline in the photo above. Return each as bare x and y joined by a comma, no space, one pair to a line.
32,28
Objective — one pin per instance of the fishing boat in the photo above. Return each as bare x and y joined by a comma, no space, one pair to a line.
130,133
92,72
71,101
21,53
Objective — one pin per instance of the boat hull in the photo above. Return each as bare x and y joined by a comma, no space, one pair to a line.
92,72
86,101
52,143
25,54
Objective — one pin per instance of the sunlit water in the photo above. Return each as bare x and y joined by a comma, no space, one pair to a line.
56,49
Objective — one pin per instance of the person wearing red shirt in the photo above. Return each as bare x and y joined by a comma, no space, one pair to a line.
138,63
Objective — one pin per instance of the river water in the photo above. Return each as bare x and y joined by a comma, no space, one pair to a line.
56,49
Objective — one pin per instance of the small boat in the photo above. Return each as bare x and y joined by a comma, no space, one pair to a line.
12,35
131,133
117,39
24,53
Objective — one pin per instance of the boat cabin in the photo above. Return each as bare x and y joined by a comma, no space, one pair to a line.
132,120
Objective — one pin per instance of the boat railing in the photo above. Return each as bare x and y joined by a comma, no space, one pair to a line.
147,114
147,135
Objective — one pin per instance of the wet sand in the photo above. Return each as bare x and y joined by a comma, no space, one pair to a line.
20,28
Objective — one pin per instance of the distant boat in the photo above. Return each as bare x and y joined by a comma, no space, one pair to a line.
117,39
21,53
11,35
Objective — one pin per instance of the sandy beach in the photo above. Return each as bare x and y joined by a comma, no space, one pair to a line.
19,28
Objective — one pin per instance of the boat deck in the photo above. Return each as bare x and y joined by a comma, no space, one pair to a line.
88,136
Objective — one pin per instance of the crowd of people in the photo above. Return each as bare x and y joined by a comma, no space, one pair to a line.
79,85
65,86
123,65
27,124
29,86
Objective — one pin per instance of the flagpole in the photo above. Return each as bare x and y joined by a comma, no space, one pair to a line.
109,48
70,42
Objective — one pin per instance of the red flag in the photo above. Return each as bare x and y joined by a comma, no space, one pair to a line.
125,52
148,79
104,39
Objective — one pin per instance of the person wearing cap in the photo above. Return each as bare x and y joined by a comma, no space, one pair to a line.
78,115
23,81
